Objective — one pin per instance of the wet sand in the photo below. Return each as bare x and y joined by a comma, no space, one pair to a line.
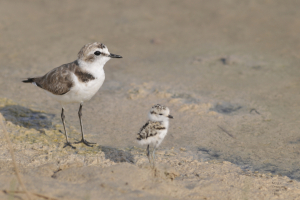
227,70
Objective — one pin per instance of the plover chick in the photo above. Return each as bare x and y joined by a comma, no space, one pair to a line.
155,130
76,82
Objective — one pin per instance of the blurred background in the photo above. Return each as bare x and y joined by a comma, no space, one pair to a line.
228,70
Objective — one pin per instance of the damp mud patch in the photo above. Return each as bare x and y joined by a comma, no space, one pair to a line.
205,154
226,108
186,98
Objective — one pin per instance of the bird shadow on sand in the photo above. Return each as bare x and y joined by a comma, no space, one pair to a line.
117,155
26,117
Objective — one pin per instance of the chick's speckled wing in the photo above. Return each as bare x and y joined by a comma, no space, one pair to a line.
150,129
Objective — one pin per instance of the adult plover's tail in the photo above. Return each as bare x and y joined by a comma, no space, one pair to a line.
29,80
33,81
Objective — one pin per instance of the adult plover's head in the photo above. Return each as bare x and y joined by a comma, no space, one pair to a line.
95,52
159,113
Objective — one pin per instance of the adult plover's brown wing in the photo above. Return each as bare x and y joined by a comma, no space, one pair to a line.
58,81
150,129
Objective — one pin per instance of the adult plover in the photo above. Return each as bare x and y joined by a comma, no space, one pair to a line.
76,82
155,130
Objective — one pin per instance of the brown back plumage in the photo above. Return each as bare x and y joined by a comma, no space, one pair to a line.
59,81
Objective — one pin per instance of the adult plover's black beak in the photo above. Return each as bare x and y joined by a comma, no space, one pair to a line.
114,56
170,116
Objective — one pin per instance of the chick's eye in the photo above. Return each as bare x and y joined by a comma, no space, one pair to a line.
160,114
97,53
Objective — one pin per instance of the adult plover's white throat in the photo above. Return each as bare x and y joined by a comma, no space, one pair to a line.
78,81
155,130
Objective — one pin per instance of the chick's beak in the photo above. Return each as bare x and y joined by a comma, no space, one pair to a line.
114,56
170,116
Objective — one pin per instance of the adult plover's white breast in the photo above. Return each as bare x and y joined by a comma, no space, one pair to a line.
84,91
85,84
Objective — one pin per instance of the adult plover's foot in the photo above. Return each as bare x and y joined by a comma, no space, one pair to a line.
85,142
70,145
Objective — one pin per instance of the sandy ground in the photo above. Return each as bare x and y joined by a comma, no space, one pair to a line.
228,70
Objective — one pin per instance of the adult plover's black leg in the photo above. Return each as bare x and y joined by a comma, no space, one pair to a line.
81,126
63,121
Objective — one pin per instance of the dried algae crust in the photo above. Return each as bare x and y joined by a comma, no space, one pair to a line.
118,172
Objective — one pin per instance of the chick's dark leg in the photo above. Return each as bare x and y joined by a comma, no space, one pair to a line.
153,155
82,133
148,153
63,121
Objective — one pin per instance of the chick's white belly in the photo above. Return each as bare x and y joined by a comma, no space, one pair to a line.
161,136
80,92
155,140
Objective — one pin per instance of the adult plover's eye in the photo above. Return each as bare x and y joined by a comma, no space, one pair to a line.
97,53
